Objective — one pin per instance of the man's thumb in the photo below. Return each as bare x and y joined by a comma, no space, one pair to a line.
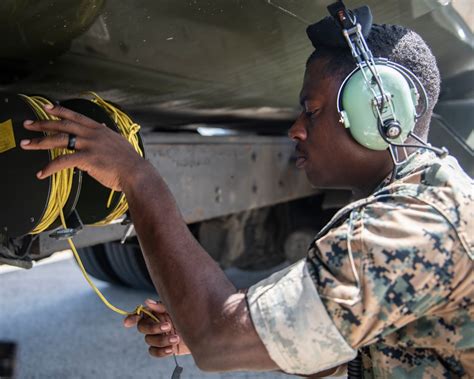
155,306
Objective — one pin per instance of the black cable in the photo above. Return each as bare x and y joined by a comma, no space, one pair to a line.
394,155
354,368
440,152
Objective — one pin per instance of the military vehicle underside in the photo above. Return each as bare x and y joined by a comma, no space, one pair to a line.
214,85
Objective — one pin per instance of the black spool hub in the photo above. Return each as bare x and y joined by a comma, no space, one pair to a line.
23,198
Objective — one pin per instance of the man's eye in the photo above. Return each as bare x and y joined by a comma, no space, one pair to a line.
310,114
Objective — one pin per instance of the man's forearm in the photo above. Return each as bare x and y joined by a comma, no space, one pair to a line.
210,314
189,282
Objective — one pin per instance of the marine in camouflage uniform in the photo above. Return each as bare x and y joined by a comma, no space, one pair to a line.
391,275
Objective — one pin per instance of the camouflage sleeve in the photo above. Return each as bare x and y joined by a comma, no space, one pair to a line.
384,267
294,325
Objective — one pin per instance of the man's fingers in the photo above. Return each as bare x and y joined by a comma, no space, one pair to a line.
160,352
130,321
160,340
155,306
58,140
149,326
67,114
58,126
60,163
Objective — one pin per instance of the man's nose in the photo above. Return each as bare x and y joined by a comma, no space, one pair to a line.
297,131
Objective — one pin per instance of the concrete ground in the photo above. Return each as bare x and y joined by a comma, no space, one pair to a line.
64,331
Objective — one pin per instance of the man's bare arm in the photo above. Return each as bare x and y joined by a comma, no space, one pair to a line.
211,315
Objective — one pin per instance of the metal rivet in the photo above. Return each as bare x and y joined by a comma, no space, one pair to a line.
393,132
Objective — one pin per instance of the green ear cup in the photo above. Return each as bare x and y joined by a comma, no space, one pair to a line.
359,113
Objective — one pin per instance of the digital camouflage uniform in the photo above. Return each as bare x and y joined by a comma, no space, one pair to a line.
391,275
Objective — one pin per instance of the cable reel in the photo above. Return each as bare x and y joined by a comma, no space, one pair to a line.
71,198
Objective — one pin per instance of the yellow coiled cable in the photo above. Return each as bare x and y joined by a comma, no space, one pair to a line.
62,184
129,131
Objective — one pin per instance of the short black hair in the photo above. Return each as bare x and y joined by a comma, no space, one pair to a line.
400,45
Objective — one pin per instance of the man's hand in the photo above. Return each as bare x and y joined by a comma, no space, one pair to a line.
163,338
101,152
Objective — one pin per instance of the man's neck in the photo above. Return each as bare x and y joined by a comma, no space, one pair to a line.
369,182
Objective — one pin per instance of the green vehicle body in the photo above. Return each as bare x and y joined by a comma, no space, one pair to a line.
233,66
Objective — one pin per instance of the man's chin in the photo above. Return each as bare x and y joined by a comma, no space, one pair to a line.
315,180
318,180
323,183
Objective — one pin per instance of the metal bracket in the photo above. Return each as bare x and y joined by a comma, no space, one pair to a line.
75,226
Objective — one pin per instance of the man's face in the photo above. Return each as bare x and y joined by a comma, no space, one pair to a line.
324,147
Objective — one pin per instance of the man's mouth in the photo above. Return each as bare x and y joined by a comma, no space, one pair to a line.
300,161
300,157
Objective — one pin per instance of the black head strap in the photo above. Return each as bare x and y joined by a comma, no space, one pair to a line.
345,17
327,32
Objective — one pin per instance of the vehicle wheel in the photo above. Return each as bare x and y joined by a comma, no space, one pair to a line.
128,264
96,263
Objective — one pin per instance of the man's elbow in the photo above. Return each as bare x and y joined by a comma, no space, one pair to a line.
206,356
218,343
212,351
204,363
